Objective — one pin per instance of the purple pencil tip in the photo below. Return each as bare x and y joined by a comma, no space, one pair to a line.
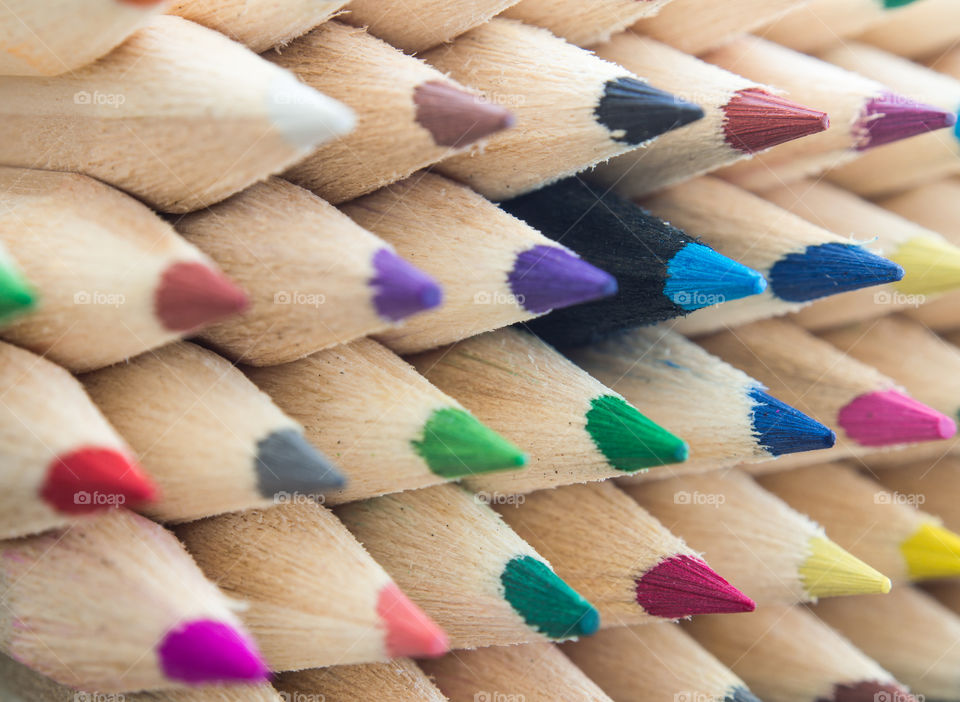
545,278
207,651
891,117
401,289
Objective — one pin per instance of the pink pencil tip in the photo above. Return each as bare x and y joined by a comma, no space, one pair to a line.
207,651
890,117
193,295
683,585
890,417
410,632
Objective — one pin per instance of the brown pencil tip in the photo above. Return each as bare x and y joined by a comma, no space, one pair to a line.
870,691
756,120
192,295
454,117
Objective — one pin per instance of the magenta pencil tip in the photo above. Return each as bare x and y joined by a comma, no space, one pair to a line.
891,117
683,585
889,417
207,651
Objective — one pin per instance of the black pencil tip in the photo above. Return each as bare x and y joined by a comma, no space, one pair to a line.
636,112
286,462
740,694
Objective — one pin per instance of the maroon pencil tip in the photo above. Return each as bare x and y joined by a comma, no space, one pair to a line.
756,120
207,651
891,117
870,691
192,295
682,586
457,118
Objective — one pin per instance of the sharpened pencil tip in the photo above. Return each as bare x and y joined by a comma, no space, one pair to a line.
933,551
782,429
456,118
931,265
93,479
627,439
16,295
193,295
740,694
889,417
870,691
682,586
401,289
891,117
305,117
829,269
830,571
755,120
698,276
207,651
549,277
545,602
410,632
635,112
455,444
286,462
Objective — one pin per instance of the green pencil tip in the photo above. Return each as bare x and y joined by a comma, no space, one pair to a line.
890,4
16,294
454,445
628,440
545,601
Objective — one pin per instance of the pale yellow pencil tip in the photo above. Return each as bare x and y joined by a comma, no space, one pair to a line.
930,265
830,571
932,552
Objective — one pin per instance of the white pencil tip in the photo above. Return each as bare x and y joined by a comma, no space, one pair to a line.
306,117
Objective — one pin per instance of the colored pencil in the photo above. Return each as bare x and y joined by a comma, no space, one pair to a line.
16,293
20,684
584,23
921,160
261,24
574,428
661,272
46,40
314,597
404,23
696,26
61,460
536,672
821,24
122,119
76,610
205,434
495,269
468,570
409,115
399,680
99,260
909,633
818,378
786,654
766,549
365,406
864,113
742,118
912,545
800,260
919,31
931,485
315,279
619,556
729,416
606,109
655,662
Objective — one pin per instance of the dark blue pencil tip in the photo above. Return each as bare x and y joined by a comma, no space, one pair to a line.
828,269
697,276
782,429
740,694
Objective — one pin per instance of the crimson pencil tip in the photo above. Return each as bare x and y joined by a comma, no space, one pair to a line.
891,117
889,417
410,632
683,585
455,117
193,295
92,479
756,120
207,651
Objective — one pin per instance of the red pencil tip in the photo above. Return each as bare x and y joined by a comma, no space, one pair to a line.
192,295
683,585
208,651
410,632
756,120
93,479
890,417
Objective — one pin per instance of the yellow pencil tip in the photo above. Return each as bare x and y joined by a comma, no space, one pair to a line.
930,265
829,571
932,552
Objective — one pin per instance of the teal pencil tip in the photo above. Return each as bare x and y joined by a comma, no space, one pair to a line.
16,294
455,444
698,276
628,440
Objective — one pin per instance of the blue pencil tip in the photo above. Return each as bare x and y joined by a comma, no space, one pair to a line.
828,269
697,276
783,429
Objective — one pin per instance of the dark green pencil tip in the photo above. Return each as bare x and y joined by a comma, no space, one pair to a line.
16,295
890,4
454,444
545,601
628,440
